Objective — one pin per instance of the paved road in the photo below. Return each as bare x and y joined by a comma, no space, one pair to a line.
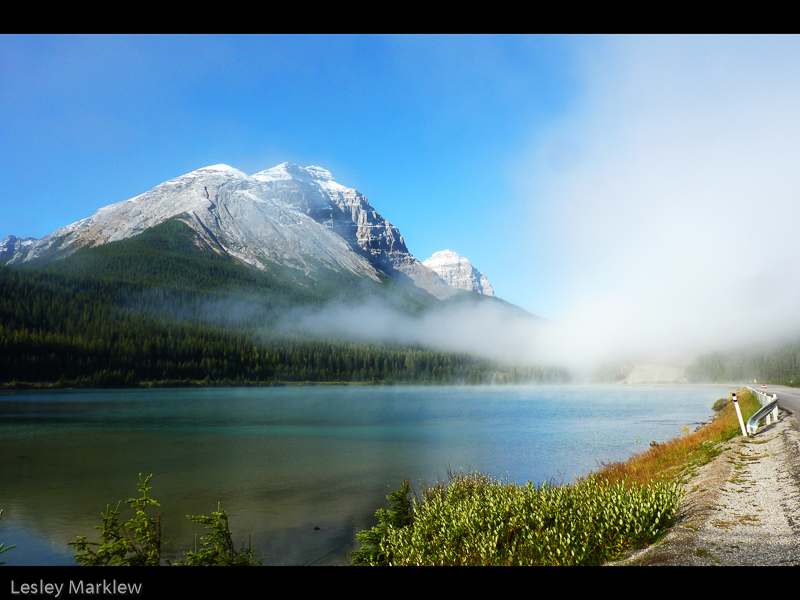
788,398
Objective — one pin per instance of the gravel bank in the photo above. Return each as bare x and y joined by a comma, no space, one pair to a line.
743,508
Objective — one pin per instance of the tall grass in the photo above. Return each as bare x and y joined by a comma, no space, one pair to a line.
678,457
474,519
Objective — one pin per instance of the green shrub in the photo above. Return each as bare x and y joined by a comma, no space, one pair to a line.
399,515
135,543
2,546
720,404
138,541
217,548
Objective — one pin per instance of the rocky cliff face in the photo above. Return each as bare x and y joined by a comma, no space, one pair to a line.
314,192
296,217
13,246
458,272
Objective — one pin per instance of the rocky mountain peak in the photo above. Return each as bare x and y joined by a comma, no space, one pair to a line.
458,272
13,245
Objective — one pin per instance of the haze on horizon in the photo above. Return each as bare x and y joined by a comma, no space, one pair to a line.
673,198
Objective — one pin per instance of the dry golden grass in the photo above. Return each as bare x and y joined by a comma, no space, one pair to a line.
672,459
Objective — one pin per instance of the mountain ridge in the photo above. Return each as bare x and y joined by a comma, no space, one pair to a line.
292,216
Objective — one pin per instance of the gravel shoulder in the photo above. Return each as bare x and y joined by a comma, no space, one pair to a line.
742,508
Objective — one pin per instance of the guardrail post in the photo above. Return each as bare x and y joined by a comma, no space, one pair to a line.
739,414
775,412
768,418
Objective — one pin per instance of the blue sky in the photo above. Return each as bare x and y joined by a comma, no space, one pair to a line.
631,186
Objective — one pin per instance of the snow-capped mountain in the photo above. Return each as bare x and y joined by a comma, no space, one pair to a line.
458,272
289,216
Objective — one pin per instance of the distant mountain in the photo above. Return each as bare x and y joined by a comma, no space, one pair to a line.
458,272
289,217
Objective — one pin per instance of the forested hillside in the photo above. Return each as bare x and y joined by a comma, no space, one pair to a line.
163,308
779,365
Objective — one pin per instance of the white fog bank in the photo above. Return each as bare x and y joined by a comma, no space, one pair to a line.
671,220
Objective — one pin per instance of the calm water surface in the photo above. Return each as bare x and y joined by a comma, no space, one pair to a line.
301,470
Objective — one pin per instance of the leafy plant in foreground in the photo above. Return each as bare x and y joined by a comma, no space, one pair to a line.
476,520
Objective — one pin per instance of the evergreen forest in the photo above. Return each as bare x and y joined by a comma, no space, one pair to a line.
166,308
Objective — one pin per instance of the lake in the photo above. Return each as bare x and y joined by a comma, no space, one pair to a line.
300,470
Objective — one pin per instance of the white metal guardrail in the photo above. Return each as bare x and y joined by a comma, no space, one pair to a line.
768,410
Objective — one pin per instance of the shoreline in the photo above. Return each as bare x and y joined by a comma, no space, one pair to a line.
199,383
740,509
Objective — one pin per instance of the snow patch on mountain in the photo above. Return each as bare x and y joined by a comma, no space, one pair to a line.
458,272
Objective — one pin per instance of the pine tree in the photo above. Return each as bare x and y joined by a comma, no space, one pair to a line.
399,515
